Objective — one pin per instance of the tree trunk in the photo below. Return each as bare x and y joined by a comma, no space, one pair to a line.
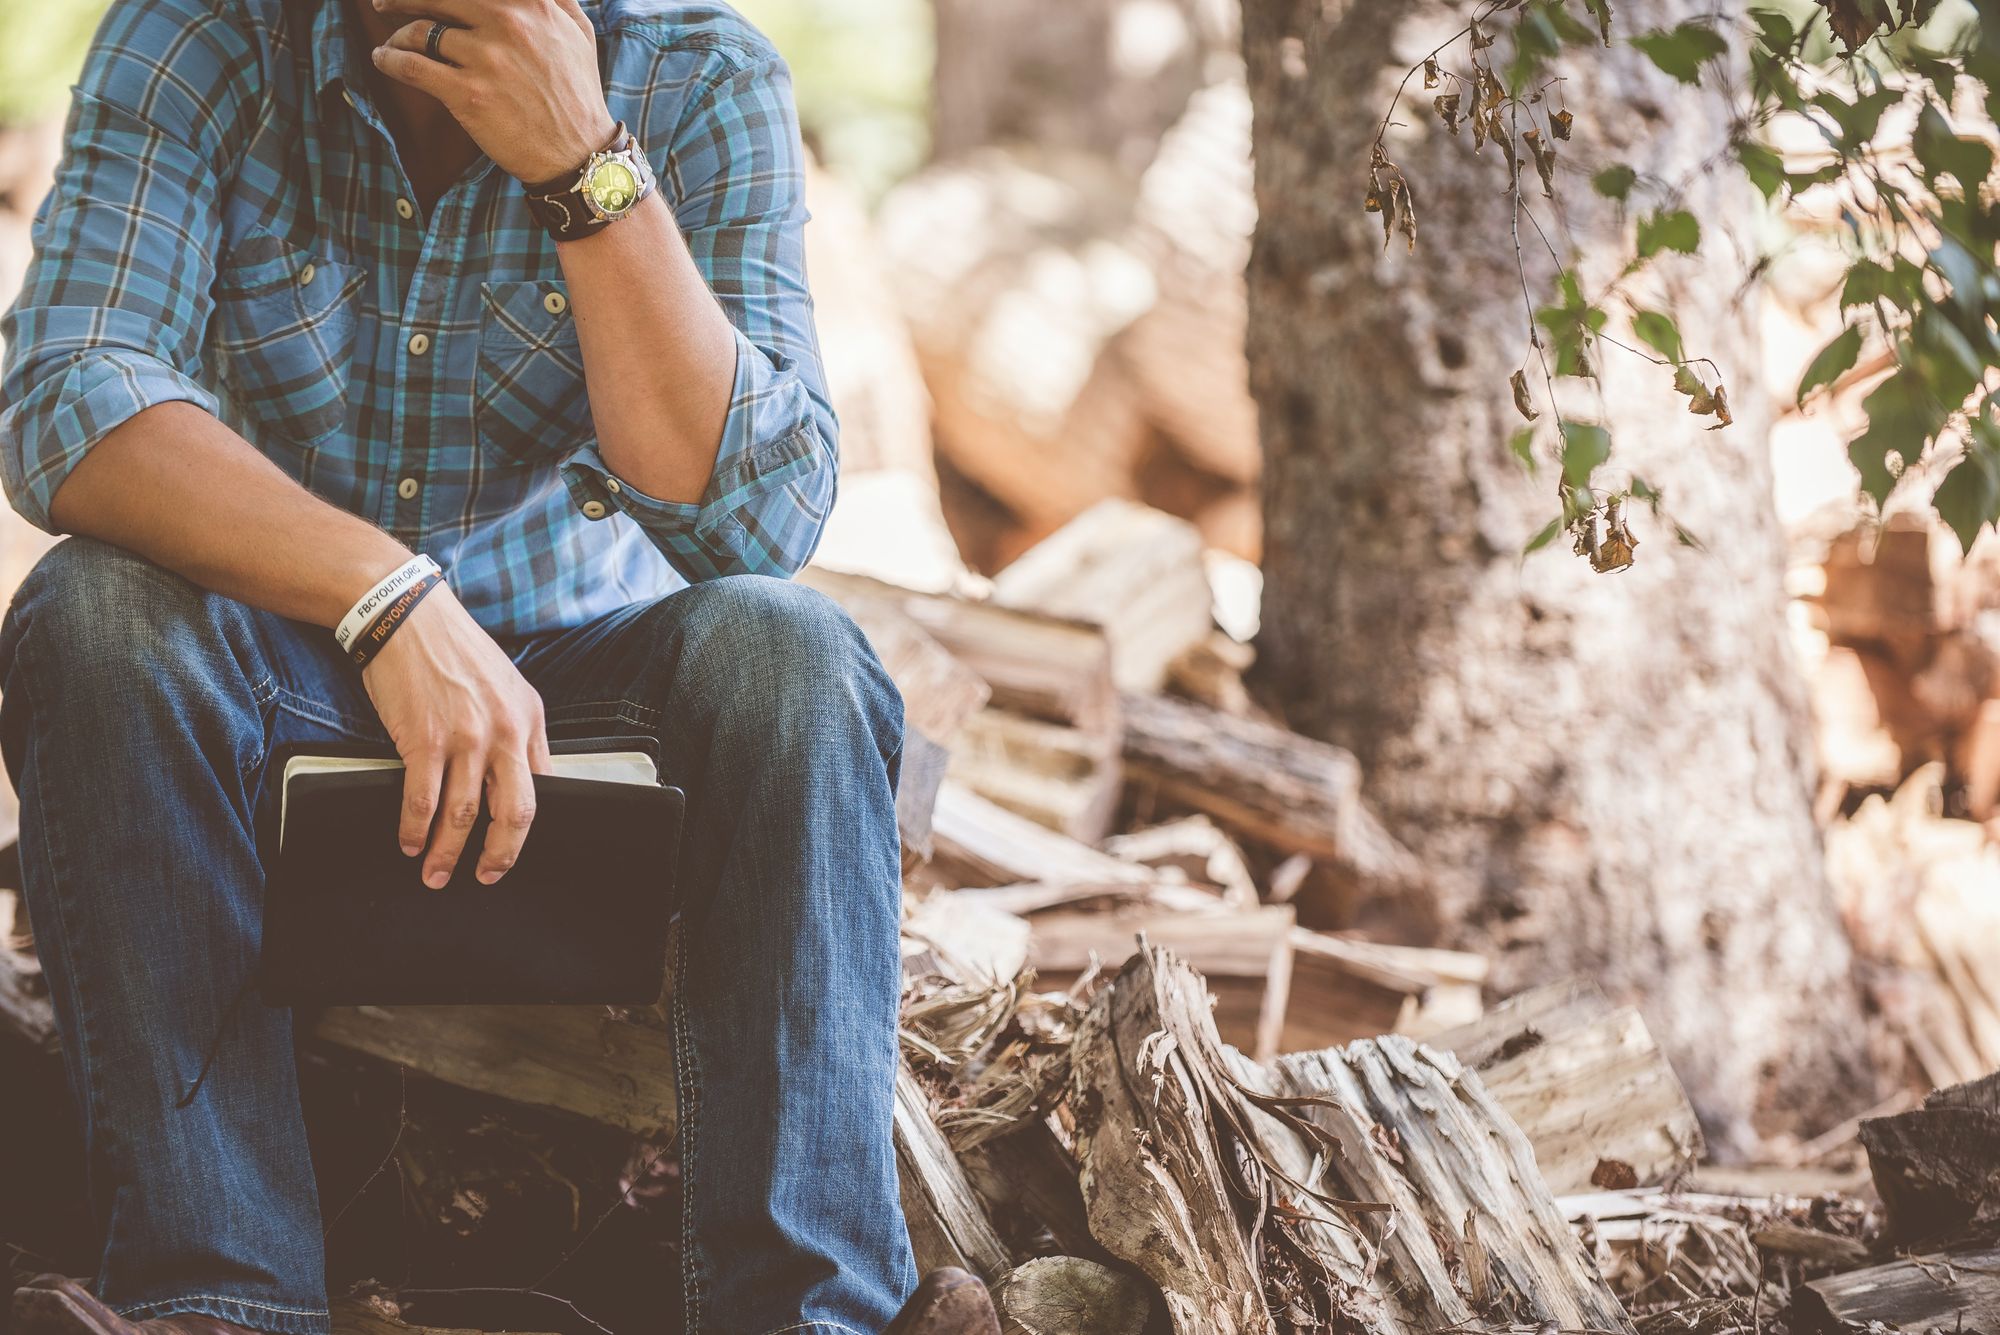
1604,776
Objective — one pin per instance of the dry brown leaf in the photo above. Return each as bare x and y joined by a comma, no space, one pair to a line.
1524,404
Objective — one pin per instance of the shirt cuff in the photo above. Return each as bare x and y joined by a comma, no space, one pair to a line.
43,438
765,501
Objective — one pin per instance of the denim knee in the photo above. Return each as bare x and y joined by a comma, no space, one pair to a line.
771,659
114,632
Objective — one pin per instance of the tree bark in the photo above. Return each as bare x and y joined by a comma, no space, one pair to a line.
1603,776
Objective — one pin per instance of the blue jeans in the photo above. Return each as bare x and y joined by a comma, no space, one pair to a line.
136,716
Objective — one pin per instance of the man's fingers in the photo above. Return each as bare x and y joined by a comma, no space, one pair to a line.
458,808
465,13
421,777
419,71
416,37
510,798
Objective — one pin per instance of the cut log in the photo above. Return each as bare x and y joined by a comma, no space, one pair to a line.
1044,667
1027,1181
360,1316
1344,989
612,1066
1007,265
1245,959
1197,848
1957,1291
948,1225
1937,1168
1069,1295
1177,1178
977,842
1475,1230
1128,568
1064,778
1263,783
1585,1082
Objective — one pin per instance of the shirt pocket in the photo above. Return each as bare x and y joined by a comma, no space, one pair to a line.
530,405
285,330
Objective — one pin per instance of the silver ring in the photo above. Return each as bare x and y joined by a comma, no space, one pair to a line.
437,33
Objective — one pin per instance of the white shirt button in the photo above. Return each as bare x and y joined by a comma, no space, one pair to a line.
555,303
347,97
408,488
613,485
405,209
419,344
594,510
306,274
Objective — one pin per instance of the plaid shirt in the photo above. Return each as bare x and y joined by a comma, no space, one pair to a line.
231,226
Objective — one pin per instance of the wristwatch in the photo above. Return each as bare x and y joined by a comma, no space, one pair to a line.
608,186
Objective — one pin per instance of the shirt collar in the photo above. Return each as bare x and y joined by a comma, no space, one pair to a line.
331,44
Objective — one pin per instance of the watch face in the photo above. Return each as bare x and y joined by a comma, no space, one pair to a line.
613,187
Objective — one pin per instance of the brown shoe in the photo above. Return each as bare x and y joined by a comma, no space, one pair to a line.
58,1305
947,1302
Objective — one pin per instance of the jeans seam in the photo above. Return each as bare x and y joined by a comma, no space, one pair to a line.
250,1303
687,1088
606,711
95,1121
315,712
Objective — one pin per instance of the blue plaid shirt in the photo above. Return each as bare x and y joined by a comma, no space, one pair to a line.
231,227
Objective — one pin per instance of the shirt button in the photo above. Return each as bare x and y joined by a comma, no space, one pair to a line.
594,510
347,97
405,209
306,275
555,303
408,488
419,344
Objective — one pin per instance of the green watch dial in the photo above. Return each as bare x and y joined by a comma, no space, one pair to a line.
613,187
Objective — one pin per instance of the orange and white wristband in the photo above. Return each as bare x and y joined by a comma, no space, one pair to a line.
370,605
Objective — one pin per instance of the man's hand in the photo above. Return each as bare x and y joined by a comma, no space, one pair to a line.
463,719
520,76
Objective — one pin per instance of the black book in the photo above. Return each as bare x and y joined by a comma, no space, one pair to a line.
581,918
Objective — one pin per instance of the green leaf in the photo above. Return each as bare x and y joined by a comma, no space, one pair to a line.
1943,153
1522,445
1674,229
1775,29
1584,447
1832,362
1902,419
1969,497
1682,51
1857,120
1543,536
1614,182
1765,169
1602,10
1900,283
1657,330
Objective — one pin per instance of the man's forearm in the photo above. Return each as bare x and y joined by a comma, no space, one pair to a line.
175,485
659,354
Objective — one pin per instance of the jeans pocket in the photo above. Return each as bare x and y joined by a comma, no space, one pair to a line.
285,321
529,404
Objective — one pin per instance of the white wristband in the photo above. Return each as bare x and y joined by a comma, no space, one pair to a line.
377,598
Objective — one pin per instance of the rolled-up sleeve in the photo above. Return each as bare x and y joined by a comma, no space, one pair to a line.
738,170
110,317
